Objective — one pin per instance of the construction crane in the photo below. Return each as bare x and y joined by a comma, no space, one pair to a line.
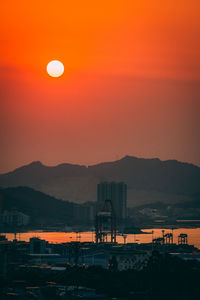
105,224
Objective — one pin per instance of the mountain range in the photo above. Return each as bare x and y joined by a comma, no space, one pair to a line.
148,180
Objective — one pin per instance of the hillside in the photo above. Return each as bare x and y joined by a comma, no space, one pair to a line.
42,209
148,180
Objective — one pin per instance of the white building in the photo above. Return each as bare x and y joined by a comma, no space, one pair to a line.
129,259
14,218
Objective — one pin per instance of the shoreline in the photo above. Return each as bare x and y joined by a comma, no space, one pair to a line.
73,230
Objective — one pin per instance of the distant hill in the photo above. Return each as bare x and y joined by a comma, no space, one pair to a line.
148,180
42,209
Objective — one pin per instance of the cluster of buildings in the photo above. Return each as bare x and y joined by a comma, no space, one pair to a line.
49,260
109,255
109,211
22,262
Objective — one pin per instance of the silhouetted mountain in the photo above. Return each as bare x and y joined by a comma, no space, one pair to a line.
148,180
152,174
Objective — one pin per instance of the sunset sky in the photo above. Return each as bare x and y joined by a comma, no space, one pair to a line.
131,84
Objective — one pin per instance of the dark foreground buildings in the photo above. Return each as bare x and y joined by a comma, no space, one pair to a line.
107,271
117,193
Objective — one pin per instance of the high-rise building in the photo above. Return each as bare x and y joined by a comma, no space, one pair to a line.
117,193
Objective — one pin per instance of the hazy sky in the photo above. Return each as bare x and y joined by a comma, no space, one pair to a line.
131,83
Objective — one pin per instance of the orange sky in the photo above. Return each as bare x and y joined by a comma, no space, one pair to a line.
131,81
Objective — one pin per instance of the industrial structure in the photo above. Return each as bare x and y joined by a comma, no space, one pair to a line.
166,239
117,193
182,239
105,225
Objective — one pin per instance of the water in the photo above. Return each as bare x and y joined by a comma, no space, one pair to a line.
63,237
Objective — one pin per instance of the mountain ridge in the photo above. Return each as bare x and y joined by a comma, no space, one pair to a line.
145,179
126,157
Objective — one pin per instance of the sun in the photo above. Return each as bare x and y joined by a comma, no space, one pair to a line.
55,68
